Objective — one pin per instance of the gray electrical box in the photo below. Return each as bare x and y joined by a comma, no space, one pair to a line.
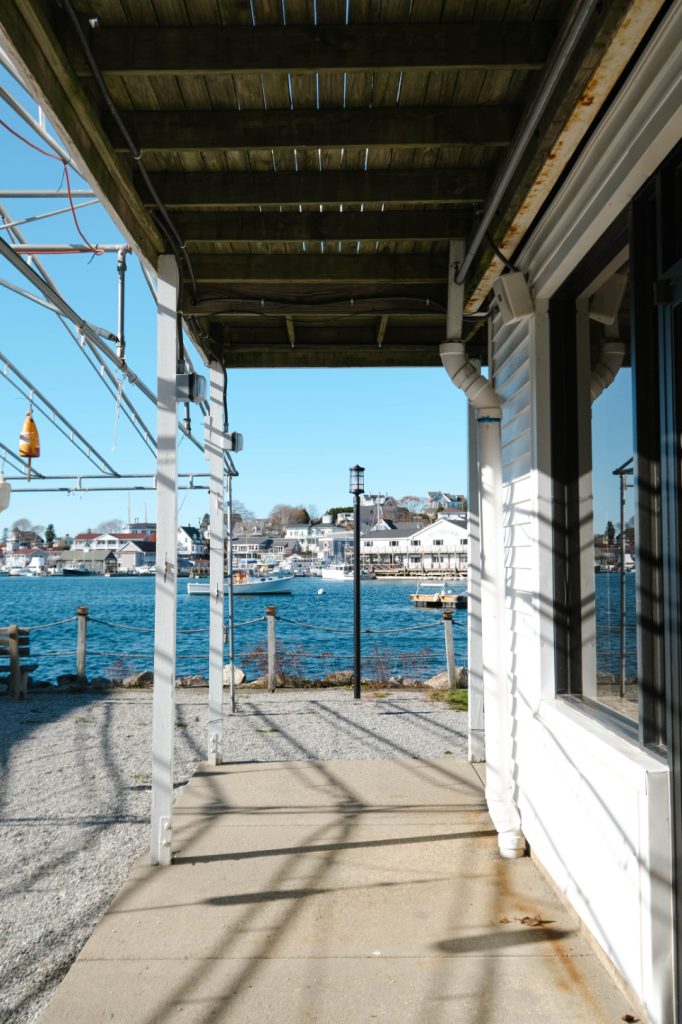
191,387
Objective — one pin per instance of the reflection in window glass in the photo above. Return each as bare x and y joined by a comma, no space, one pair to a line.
615,567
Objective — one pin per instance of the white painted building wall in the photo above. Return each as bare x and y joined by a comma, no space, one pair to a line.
594,806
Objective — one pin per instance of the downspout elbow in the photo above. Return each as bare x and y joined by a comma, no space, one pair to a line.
611,357
465,376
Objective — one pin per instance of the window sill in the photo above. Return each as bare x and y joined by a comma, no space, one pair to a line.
603,734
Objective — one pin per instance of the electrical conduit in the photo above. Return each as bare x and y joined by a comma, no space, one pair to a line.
499,788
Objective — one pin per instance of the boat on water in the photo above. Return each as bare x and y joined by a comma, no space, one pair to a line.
77,569
342,571
245,584
439,594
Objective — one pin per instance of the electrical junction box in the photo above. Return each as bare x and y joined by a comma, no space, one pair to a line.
235,442
190,387
513,297
218,441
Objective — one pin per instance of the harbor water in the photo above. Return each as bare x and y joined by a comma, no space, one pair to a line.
314,630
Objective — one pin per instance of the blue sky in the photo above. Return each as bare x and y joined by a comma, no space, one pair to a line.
303,429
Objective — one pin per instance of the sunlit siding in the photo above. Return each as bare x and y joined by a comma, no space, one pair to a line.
511,375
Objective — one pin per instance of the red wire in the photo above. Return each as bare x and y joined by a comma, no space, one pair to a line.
54,156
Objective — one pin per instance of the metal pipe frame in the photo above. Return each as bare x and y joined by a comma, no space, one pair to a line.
47,193
65,247
45,216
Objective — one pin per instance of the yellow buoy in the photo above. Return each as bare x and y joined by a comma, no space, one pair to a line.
29,441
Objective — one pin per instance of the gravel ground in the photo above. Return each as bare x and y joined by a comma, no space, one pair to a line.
75,803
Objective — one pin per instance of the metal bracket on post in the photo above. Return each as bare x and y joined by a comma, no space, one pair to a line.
455,308
165,841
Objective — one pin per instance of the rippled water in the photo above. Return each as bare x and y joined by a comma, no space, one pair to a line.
308,652
311,653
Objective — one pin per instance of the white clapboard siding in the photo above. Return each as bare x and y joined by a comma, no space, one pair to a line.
510,366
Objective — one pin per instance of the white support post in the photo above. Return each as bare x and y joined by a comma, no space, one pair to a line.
474,624
163,707
216,428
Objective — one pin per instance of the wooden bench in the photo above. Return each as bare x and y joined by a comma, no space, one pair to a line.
15,649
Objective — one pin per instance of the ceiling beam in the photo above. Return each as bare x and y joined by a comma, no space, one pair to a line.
247,130
330,268
351,226
233,49
211,190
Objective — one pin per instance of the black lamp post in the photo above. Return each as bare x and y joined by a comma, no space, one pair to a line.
357,487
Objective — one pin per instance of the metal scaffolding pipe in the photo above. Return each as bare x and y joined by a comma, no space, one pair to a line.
48,193
64,247
45,216
37,128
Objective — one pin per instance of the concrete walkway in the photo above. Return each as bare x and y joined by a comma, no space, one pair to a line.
338,892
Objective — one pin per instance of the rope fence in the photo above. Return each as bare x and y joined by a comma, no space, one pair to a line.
287,655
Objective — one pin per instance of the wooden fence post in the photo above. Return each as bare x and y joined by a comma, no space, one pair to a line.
15,681
271,615
82,645
449,648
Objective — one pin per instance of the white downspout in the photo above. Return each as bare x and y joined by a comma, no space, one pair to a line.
487,407
611,356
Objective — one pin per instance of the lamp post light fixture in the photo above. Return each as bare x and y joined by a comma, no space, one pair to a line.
356,487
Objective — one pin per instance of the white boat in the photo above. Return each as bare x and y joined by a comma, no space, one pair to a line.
343,572
245,584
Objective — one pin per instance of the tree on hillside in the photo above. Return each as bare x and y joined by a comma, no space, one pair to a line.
336,510
240,513
610,533
110,526
22,525
49,534
282,516
412,502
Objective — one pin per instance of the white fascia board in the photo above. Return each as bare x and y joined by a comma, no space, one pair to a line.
642,126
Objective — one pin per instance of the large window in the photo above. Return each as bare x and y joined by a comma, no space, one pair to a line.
606,430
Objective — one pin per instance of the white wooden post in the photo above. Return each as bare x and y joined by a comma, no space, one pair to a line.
214,450
163,707
474,641
230,596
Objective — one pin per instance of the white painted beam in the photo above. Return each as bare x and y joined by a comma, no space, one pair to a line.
163,707
215,430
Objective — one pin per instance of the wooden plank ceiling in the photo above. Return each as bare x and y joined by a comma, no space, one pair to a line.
314,157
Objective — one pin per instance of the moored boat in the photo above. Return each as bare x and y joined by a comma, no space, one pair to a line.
343,572
245,584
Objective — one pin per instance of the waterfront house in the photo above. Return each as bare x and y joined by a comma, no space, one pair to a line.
134,555
546,246
191,542
443,501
